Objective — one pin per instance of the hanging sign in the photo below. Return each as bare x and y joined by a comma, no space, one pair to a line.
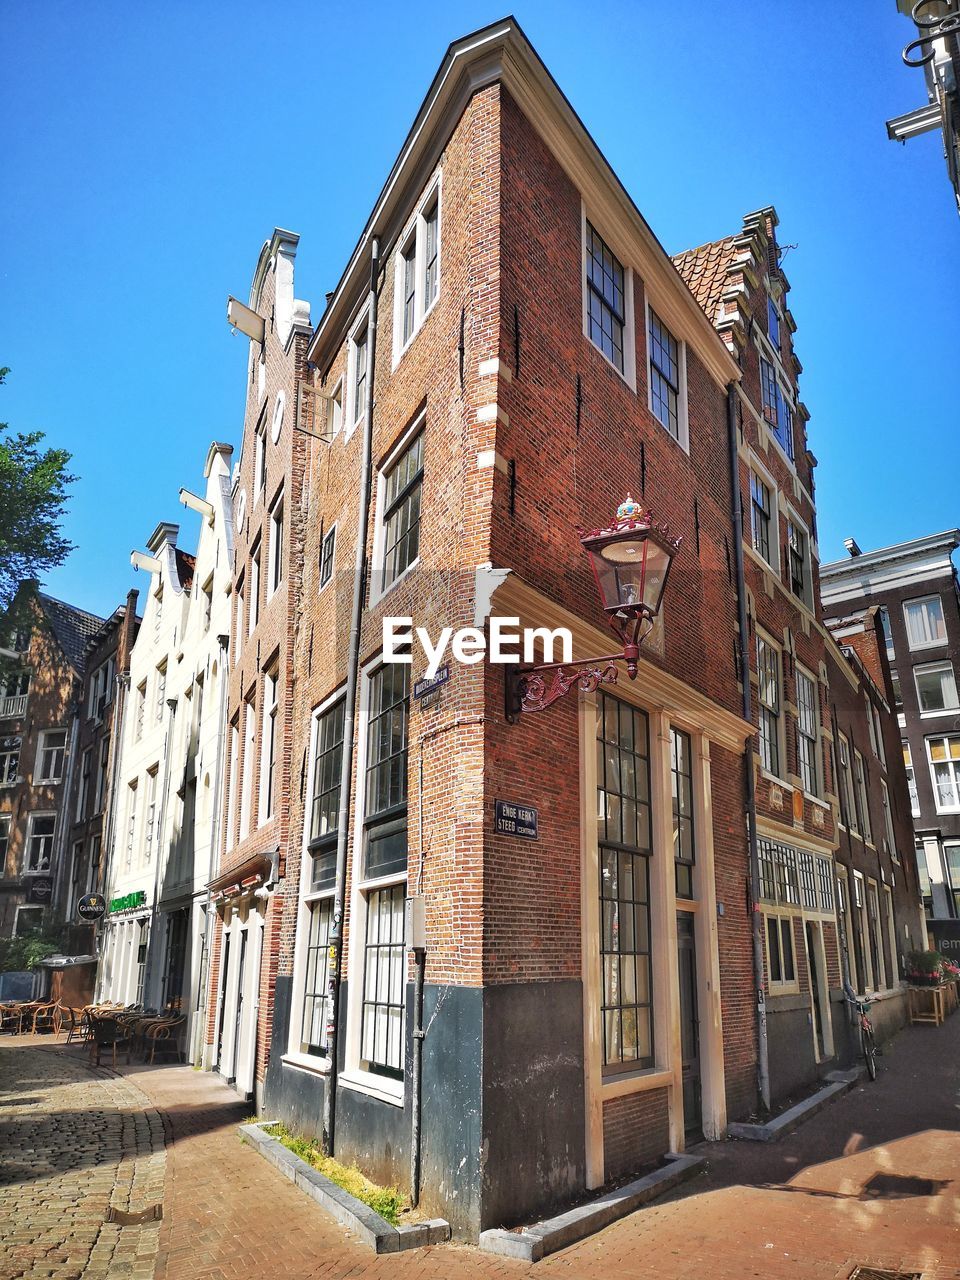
39,890
92,906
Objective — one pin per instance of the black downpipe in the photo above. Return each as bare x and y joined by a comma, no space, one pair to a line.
420,957
349,719
756,918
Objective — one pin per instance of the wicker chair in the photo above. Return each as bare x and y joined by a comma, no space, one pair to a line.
47,1018
108,1033
164,1036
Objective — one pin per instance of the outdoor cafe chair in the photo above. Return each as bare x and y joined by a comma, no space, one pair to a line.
108,1033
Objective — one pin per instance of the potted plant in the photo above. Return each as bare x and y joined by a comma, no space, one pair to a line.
925,968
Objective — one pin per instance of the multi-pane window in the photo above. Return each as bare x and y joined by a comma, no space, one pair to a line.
808,732
13,693
418,274
884,616
40,829
141,709
401,513
325,796
313,1036
606,299
888,821
207,593
684,847
793,877
780,963
384,982
925,624
253,610
911,780
359,387
249,749
131,822
776,407
808,880
51,755
798,549
268,758
83,794
327,549
103,760
260,458
101,689
158,612
664,375
385,816
4,839
848,805
161,695
275,576
335,410
150,817
768,672
860,771
9,763
773,324
624,839
936,687
895,686
761,509
825,883
944,754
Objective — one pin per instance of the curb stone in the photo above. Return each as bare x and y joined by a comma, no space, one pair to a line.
839,1082
372,1230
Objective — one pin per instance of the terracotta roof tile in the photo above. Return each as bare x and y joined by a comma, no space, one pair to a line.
705,271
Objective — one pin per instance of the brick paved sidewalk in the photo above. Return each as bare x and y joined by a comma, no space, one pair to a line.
798,1209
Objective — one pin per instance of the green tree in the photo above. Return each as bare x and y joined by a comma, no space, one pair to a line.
34,483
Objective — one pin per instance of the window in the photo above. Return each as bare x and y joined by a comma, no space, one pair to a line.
779,880
325,795
606,299
417,277
911,780
260,459
773,324
40,829
207,593
161,695
327,548
848,805
683,829
101,690
50,755
936,687
313,1035
13,693
276,547
28,920
951,855
100,794
141,709
888,822
385,812
358,373
268,759
876,731
238,621
9,764
664,376
234,784
799,557
944,754
925,624
158,611
873,933
808,880
895,685
131,822
384,970
884,616
808,733
768,671
83,794
4,839
624,826
150,817
760,517
861,779
776,407
335,410
825,883
401,514
249,747
254,599
780,965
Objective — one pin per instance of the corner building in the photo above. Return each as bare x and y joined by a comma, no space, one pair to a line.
587,995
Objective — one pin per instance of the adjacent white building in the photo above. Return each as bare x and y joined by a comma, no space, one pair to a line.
171,765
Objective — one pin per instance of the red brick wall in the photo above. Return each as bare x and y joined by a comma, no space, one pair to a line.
635,1132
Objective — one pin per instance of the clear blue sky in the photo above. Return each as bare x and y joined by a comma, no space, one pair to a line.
150,149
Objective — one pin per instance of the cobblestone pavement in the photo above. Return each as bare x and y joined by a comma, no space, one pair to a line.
74,1144
809,1208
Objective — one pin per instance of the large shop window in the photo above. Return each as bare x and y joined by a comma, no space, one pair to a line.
624,834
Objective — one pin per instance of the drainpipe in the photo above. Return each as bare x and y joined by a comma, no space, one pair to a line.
756,918
349,719
209,915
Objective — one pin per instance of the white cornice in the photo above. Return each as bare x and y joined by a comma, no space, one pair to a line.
899,565
501,53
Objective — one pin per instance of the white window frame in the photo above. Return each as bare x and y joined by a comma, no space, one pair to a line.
308,900
130,836
328,534
39,775
781,985
276,547
924,644
780,772
863,795
246,777
351,417
848,806
260,460
888,821
415,236
267,801
7,754
353,1075
794,521
682,438
28,868
802,674
6,826
377,561
150,812
334,417
944,668
954,767
160,695
255,586
762,474
629,371
911,779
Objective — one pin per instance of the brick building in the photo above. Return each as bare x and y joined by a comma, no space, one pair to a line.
261,771
43,669
95,749
913,587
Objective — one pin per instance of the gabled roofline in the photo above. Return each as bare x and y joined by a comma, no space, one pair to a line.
924,547
501,53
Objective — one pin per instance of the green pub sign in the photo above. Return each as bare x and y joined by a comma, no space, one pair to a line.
128,901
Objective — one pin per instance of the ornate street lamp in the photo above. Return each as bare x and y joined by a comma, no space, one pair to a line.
630,562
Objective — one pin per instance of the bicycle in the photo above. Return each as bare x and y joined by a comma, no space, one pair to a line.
868,1041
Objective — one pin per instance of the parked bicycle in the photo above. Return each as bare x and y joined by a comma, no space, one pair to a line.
868,1041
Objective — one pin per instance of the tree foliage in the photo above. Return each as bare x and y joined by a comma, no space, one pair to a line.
34,483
